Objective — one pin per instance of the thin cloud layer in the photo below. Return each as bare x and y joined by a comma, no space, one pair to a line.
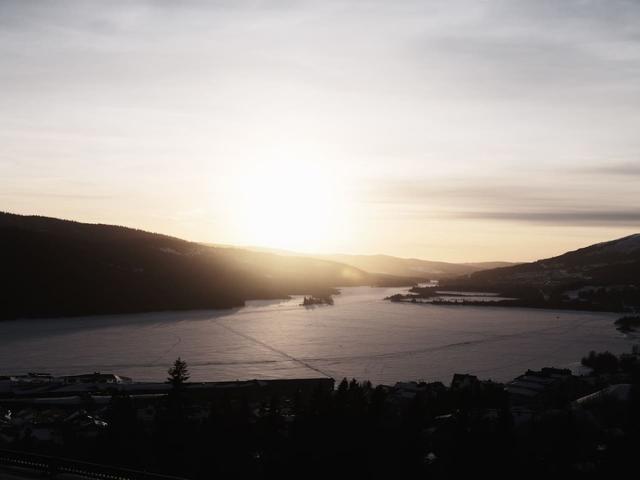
602,218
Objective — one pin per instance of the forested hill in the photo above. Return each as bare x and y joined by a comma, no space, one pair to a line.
607,263
55,267
603,276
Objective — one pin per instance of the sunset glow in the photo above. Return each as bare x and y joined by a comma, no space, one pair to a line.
287,205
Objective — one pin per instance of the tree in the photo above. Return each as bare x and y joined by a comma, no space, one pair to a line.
342,394
178,374
605,362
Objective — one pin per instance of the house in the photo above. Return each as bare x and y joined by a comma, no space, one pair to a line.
537,387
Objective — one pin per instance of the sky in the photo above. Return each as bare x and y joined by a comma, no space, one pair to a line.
446,130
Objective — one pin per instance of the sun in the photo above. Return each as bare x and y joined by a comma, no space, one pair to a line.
288,205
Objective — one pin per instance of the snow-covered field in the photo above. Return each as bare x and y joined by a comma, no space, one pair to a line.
360,336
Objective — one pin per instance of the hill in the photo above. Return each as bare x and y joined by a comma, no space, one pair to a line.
54,267
603,276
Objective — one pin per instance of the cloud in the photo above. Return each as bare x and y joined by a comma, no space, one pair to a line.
69,196
491,193
605,218
546,198
624,169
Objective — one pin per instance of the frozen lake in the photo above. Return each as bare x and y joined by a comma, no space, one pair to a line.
361,336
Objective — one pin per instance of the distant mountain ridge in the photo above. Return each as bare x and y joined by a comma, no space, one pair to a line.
398,266
56,267
427,269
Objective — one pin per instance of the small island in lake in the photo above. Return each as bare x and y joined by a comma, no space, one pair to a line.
309,301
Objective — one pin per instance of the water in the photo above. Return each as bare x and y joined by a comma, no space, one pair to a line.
361,336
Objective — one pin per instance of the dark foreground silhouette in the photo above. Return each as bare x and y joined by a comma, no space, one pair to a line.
548,424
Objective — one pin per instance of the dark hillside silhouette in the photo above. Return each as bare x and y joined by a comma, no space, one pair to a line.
57,267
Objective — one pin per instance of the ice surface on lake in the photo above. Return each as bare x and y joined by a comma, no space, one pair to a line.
361,336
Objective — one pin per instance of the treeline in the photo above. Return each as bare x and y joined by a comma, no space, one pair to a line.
608,363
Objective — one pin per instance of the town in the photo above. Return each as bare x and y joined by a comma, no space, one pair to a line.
549,421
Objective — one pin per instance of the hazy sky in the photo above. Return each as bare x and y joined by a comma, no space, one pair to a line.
453,130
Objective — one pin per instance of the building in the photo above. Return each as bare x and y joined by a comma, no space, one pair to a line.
538,387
